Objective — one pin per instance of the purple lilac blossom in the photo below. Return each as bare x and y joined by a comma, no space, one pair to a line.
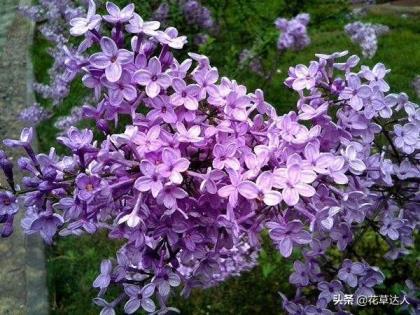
366,35
293,34
188,190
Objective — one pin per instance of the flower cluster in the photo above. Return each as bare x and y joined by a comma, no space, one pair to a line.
202,167
33,115
52,17
294,34
366,35
196,13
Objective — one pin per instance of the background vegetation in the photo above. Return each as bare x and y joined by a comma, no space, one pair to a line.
73,262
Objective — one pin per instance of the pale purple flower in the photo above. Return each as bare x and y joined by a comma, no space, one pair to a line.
224,157
169,194
231,190
170,37
139,298
300,276
151,179
46,224
261,189
406,137
152,77
190,135
117,15
205,80
355,92
390,228
350,271
165,281
121,90
210,179
288,234
185,95
104,279
342,235
161,108
77,139
111,59
294,181
336,170
356,165
88,186
147,142
82,25
25,139
137,26
173,165
329,290
376,76
305,77
8,203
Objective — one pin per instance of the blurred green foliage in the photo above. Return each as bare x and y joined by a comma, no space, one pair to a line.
73,262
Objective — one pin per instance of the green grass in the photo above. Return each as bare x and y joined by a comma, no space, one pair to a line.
73,262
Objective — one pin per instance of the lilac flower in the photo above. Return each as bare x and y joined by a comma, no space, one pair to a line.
8,204
300,276
138,26
151,179
117,15
122,89
406,137
161,108
351,62
165,281
46,224
104,279
33,115
209,180
25,140
147,142
376,76
261,189
224,157
111,59
206,80
169,195
170,37
390,228
329,290
107,308
152,77
185,95
89,187
293,33
357,166
336,171
173,165
294,182
190,135
350,271
82,25
355,92
305,77
231,190
288,234
140,298
77,139
178,70
342,235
